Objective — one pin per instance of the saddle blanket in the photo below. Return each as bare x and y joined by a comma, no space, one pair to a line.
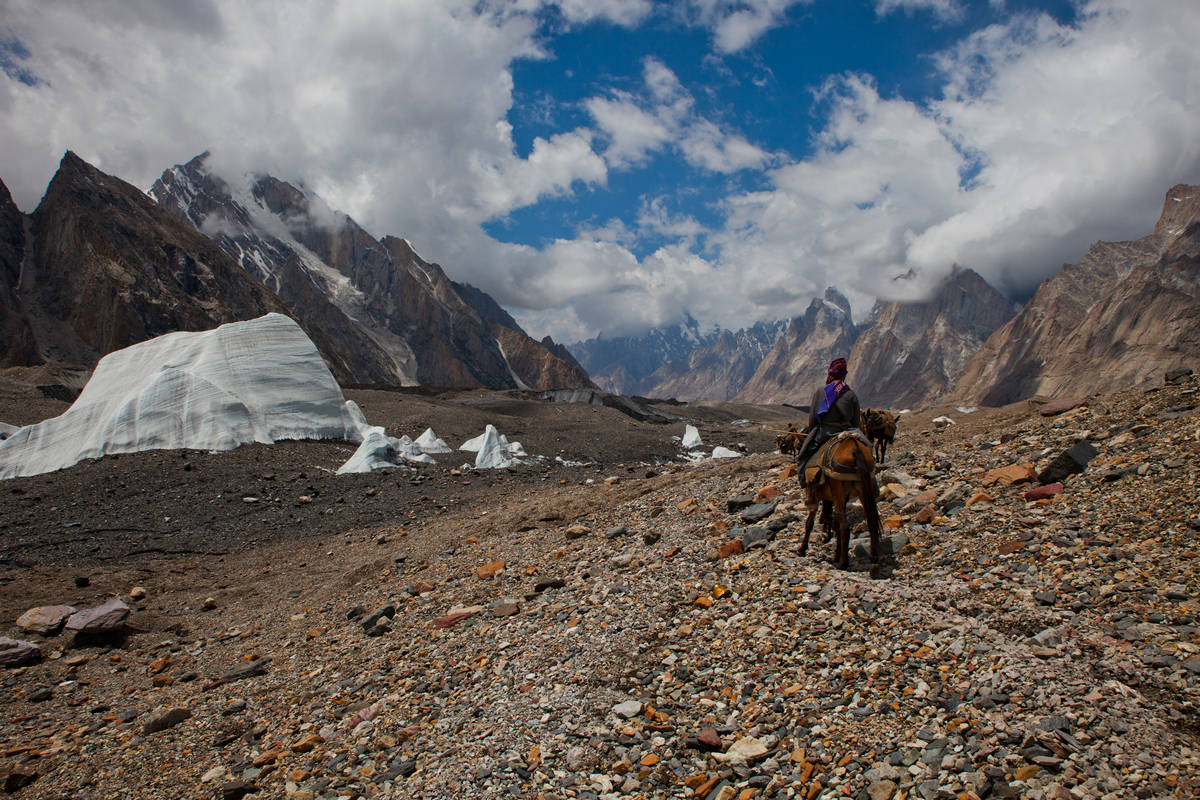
821,464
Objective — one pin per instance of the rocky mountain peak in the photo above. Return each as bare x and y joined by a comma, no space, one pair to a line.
832,295
383,299
914,351
1120,316
797,361
102,267
1181,209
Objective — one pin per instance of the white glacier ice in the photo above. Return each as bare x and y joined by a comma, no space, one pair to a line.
431,444
260,380
495,452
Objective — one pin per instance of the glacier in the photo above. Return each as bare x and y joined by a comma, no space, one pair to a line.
259,380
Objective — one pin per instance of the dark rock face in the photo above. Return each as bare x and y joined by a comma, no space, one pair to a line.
622,364
914,352
110,269
102,267
405,320
717,371
18,347
1120,317
797,363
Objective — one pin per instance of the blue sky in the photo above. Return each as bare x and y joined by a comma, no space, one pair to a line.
770,90
601,166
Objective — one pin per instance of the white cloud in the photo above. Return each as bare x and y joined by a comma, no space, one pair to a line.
944,10
1079,133
738,23
621,12
394,111
706,146
637,127
1067,135
633,132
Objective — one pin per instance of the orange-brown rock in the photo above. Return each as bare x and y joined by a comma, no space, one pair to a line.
490,569
1012,474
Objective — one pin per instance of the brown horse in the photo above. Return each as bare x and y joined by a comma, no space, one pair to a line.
847,472
879,425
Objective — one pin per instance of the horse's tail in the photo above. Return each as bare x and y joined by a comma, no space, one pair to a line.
866,490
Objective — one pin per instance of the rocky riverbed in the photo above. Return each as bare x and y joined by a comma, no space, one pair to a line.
634,636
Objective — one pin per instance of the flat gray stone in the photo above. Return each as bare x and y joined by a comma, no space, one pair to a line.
100,619
630,708
18,653
756,537
758,512
162,720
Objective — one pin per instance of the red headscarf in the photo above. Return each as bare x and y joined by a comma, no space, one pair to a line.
837,370
834,385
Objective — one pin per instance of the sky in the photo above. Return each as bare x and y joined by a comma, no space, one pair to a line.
603,166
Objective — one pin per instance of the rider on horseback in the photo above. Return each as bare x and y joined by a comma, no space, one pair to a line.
834,409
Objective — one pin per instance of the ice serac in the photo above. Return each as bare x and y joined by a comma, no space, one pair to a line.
913,352
256,381
429,329
495,452
429,442
795,366
1119,317
717,371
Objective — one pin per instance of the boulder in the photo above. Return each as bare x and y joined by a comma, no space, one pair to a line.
756,537
1177,376
758,512
1007,476
18,653
953,498
163,719
736,504
104,618
1069,462
44,620
730,548
628,709
1061,405
1043,492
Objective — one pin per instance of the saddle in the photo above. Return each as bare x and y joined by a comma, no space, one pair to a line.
821,465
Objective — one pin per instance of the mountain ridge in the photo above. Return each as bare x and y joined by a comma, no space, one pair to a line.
431,330
1120,316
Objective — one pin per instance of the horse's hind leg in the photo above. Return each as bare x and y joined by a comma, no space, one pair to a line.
808,526
827,519
843,535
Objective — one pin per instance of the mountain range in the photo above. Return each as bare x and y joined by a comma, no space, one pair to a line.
99,265
1121,316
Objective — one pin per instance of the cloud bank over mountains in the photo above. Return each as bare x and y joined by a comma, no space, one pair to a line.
1039,138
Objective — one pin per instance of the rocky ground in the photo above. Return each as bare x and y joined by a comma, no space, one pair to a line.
543,635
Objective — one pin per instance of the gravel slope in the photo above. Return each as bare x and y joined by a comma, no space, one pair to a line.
1042,649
